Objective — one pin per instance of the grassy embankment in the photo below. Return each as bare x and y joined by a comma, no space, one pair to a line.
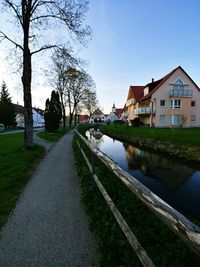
16,167
53,137
178,136
164,248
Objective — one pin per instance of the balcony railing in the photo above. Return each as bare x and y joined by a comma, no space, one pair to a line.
145,110
130,101
180,93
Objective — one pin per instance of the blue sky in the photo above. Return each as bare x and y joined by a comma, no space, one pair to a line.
133,41
136,40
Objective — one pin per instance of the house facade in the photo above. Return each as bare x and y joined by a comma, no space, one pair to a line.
38,116
115,114
97,117
172,101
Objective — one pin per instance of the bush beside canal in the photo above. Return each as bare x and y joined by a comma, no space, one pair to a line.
164,248
180,142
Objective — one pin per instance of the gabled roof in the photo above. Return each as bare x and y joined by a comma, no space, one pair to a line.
155,85
135,92
98,112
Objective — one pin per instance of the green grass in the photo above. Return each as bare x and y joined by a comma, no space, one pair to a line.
164,248
16,167
178,136
53,137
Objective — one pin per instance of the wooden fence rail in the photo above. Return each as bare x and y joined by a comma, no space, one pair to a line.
179,224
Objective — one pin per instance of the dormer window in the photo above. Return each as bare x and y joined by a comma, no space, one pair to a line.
179,85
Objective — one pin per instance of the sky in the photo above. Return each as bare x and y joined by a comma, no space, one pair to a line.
133,41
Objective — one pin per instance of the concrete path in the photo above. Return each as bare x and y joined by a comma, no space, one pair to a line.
49,226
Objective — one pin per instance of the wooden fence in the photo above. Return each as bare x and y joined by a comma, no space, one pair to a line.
179,224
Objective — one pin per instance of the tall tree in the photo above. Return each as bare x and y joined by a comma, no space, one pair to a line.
90,103
53,113
7,111
32,16
77,86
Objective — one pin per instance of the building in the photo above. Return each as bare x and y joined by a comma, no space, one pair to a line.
38,116
173,101
82,118
115,114
97,117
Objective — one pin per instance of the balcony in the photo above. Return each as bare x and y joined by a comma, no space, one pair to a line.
130,101
180,93
145,110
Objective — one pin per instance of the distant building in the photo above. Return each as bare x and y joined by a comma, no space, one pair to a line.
171,101
115,114
82,118
97,117
38,116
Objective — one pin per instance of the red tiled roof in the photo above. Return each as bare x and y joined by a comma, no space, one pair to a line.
135,92
119,111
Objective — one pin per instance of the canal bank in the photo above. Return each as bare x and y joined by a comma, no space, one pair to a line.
164,248
187,148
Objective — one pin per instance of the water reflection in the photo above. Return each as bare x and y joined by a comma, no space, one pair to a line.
177,184
171,174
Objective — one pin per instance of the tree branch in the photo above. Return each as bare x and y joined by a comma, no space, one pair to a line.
14,8
4,36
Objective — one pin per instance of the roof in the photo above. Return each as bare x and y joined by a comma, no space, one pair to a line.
155,85
18,108
135,92
97,112
119,111
40,111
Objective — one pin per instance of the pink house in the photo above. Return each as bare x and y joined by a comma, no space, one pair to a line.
173,100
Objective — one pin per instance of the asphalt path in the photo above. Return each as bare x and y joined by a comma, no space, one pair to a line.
49,226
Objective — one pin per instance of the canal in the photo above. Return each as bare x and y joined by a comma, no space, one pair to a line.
177,184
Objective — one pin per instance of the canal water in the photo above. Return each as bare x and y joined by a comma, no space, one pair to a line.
177,184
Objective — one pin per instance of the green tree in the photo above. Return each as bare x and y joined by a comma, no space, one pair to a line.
53,112
7,111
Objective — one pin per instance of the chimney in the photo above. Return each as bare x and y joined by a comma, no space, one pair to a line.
152,80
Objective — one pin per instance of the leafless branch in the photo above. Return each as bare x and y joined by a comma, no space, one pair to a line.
4,36
16,11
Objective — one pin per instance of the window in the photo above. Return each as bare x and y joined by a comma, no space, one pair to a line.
175,103
162,103
193,103
179,85
162,118
176,119
193,118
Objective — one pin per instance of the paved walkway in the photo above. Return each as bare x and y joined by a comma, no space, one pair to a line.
49,226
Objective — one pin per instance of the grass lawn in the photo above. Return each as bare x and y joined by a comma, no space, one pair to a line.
53,137
16,167
178,136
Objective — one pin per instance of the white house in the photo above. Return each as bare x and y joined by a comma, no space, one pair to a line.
97,116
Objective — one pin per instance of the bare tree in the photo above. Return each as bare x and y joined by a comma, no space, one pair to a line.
90,103
33,15
77,87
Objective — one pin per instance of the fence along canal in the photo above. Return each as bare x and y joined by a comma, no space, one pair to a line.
179,224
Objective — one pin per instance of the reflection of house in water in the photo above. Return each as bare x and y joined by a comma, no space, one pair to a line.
94,136
171,174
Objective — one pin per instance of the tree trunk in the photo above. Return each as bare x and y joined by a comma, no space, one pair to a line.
26,80
70,119
63,110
